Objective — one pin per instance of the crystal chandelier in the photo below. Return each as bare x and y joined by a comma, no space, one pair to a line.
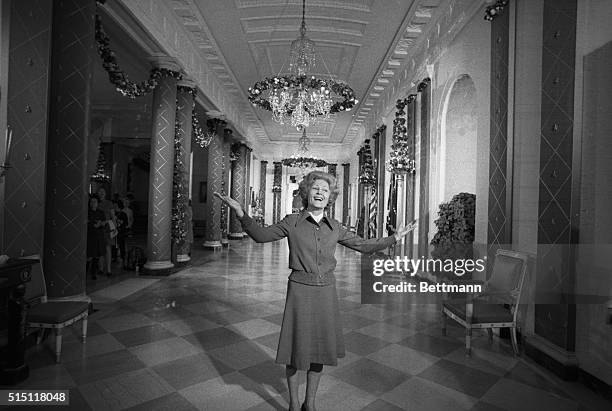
302,159
298,99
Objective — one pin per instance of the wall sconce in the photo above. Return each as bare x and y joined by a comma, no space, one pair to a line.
5,161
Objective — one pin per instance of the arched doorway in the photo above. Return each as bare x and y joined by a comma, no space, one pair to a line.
459,139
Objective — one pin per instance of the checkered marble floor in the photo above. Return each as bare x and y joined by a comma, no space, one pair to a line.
205,338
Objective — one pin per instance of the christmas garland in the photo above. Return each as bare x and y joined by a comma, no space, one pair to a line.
400,158
180,197
491,12
302,82
306,162
117,77
234,152
366,174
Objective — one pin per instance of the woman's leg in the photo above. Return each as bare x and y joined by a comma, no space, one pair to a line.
107,259
312,384
294,387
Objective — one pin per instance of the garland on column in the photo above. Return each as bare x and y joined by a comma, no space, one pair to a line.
495,10
131,89
235,152
366,174
117,77
400,159
201,138
180,200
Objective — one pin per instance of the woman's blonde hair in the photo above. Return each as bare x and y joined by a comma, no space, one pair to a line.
308,181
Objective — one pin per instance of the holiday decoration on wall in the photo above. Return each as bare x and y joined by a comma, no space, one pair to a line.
491,12
401,159
366,174
120,79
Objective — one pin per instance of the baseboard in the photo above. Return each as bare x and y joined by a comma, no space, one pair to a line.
595,384
561,362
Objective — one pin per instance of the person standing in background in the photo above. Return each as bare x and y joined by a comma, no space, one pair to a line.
96,244
122,228
129,213
109,211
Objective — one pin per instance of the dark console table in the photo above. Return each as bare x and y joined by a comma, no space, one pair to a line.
14,274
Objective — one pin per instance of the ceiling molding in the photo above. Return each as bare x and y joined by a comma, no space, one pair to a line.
452,16
418,20
194,23
164,26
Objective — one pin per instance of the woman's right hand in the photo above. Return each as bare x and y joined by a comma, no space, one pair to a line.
235,205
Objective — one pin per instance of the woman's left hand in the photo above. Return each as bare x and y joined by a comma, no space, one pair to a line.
402,231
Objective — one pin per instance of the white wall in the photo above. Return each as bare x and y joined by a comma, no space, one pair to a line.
469,54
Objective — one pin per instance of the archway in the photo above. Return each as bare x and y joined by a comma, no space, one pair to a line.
459,138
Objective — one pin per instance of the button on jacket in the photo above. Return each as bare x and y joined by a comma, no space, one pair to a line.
312,245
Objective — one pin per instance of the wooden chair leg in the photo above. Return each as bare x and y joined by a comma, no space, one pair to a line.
39,335
468,342
514,340
443,323
58,344
84,330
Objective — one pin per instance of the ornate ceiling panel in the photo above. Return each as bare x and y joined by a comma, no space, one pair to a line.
362,42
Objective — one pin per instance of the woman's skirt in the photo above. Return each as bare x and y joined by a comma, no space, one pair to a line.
311,330
96,244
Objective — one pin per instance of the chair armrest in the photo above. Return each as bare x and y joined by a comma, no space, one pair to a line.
499,295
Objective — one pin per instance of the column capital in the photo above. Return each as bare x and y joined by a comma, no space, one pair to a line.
264,162
165,62
187,82
215,114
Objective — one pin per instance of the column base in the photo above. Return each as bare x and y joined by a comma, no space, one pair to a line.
77,297
225,242
558,360
152,266
236,236
182,258
212,244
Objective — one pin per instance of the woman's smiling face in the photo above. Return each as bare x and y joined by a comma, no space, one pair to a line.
318,196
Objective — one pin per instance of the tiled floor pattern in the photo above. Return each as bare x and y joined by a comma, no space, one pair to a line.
205,338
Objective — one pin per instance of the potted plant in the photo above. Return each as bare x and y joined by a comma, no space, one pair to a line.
455,237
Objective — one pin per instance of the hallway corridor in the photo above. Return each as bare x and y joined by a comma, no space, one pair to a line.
205,338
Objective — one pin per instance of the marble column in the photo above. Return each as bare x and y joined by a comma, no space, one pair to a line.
65,233
276,189
410,186
262,187
239,182
185,100
212,233
226,184
159,234
423,235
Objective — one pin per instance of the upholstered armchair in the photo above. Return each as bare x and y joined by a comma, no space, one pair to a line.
56,315
497,306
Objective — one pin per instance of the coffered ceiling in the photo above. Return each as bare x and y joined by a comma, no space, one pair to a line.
361,42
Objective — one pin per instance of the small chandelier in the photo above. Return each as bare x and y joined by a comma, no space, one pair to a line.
302,159
298,99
